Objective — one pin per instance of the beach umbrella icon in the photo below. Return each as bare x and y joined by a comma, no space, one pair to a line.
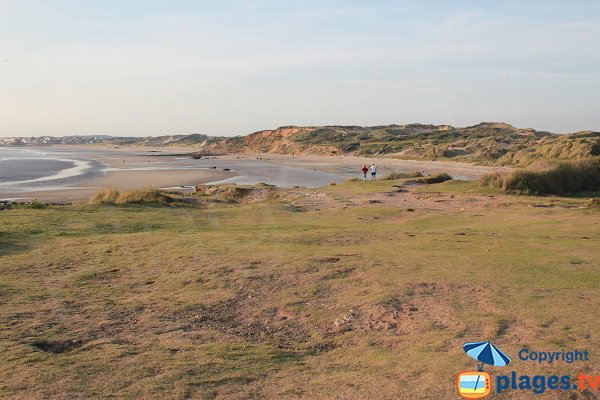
486,353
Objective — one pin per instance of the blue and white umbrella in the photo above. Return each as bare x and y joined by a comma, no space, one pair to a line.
486,353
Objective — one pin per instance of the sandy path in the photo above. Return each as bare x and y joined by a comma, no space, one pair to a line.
403,196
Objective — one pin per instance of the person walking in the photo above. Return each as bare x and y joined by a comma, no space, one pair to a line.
364,171
373,172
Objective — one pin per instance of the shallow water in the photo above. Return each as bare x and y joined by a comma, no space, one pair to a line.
251,172
40,168
27,170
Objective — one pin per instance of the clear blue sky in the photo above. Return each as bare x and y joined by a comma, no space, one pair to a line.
150,67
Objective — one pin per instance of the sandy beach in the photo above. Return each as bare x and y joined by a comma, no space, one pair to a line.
129,171
134,168
156,171
352,164
181,180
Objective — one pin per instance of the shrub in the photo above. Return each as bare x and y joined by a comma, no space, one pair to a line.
143,196
105,196
33,204
113,196
439,178
495,180
37,205
400,175
549,178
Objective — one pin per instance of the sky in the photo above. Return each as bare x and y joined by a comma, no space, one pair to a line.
229,67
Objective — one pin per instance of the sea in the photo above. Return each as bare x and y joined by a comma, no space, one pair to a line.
28,169
34,169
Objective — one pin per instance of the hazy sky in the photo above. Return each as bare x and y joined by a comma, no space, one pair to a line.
150,67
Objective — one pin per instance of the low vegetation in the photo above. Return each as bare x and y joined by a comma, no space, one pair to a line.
328,295
105,196
438,178
549,178
147,196
401,175
33,204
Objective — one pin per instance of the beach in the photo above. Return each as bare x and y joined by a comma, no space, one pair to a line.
350,166
112,168
169,168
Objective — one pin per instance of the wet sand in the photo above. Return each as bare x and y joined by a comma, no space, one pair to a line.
350,166
130,171
182,180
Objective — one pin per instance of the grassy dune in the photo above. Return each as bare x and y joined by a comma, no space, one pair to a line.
280,298
549,178
485,143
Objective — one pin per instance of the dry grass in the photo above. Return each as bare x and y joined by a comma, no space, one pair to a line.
401,175
549,178
439,178
144,196
495,180
148,196
105,196
259,301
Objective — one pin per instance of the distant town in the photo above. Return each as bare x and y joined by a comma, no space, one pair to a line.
47,140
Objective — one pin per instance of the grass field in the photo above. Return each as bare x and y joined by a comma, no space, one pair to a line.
278,299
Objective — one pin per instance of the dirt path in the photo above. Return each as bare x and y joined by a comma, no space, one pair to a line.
402,196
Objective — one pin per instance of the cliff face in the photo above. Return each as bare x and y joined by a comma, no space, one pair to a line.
490,143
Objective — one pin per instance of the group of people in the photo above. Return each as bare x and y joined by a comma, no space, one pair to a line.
373,170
